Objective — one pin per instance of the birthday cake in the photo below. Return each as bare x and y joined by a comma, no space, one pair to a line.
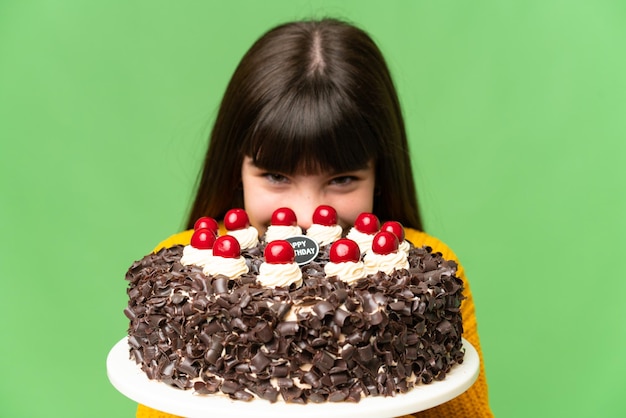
296,316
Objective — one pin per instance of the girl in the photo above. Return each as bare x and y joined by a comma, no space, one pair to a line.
311,117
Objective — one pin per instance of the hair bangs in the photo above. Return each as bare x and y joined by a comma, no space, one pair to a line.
311,135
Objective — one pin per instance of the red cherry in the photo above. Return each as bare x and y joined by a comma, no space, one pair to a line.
206,223
367,223
284,217
343,250
203,239
384,242
325,215
227,246
236,219
395,228
279,252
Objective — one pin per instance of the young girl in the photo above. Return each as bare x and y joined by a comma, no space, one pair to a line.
311,117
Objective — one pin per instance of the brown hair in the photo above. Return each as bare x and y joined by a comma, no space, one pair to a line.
310,96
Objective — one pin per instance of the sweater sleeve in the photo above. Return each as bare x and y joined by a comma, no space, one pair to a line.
473,403
182,238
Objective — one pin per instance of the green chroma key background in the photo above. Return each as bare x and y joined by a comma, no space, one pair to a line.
515,111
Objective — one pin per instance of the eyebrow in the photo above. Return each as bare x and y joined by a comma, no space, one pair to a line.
331,171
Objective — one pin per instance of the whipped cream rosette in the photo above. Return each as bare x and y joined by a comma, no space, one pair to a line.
247,237
276,232
200,249
324,234
404,246
279,268
345,261
284,225
324,228
237,225
385,255
365,227
397,229
226,259
195,256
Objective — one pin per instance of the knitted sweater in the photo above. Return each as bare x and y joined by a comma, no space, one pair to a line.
472,403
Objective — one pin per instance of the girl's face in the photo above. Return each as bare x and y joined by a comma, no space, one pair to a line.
264,191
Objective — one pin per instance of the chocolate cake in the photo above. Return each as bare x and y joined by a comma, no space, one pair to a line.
323,340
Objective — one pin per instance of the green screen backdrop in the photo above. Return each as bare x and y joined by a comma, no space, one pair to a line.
516,116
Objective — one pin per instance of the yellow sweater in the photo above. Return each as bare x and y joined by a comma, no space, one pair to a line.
473,403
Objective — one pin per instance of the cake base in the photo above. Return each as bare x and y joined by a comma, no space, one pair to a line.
128,378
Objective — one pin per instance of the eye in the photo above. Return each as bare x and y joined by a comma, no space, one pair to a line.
343,180
275,178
